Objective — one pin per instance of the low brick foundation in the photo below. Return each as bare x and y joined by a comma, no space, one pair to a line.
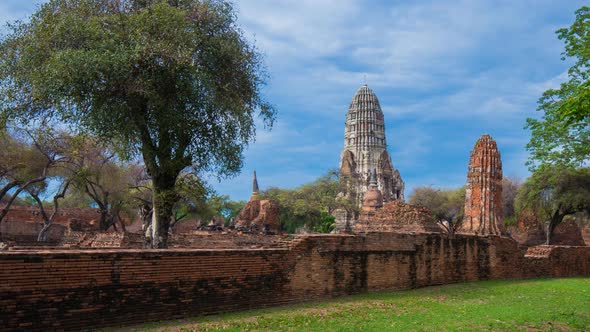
72,290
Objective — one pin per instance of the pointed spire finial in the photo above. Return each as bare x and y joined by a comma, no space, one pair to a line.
255,184
364,79
255,190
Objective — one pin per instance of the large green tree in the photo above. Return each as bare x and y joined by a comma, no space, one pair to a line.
553,193
561,137
173,80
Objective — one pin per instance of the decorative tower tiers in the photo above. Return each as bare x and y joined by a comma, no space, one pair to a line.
365,164
365,149
483,193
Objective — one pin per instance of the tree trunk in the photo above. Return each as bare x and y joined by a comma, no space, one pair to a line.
20,189
555,220
145,213
104,220
42,237
121,221
48,220
164,198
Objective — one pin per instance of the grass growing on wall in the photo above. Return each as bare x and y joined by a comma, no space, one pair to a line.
500,305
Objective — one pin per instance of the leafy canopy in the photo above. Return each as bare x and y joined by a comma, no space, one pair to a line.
175,80
554,193
561,137
445,204
309,206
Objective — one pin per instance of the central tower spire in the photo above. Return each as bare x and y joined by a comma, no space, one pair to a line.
365,149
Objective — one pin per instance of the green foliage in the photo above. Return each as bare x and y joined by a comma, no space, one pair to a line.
549,189
175,81
326,223
29,159
562,136
308,205
231,209
553,193
215,205
196,200
20,158
510,188
498,305
445,204
181,77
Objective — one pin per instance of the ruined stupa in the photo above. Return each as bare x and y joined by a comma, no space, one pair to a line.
259,215
373,199
483,193
365,150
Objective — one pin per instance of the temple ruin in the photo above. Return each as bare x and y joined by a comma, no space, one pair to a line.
483,193
64,284
259,215
365,151
373,198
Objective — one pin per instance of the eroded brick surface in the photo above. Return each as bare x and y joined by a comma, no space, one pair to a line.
483,194
397,217
259,216
73,290
568,233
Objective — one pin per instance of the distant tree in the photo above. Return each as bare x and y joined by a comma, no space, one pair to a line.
433,199
562,136
102,177
175,81
555,193
192,198
22,164
36,191
216,205
323,191
309,204
231,209
326,223
27,159
447,206
294,211
58,149
510,188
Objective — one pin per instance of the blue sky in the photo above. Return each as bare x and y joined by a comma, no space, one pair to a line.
445,73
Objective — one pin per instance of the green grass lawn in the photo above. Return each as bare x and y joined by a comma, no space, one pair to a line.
500,305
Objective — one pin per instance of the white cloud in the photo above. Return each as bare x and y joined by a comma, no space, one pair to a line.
445,72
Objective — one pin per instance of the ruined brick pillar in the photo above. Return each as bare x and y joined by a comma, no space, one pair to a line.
483,194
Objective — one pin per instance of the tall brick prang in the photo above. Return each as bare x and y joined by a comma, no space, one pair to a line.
365,150
483,194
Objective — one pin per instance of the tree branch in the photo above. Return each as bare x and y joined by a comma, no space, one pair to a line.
24,187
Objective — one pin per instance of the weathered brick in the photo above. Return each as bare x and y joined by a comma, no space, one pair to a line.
84,289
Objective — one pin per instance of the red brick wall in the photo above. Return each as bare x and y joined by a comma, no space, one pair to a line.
72,290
